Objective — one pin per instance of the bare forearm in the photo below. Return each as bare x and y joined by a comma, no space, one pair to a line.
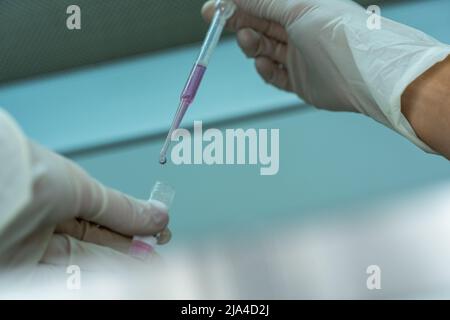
426,105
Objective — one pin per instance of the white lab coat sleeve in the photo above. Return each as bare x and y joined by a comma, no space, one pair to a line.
15,171
19,226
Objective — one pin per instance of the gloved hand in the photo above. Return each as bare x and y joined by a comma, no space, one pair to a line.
52,212
324,51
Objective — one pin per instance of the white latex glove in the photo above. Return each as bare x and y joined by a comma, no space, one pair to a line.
52,212
323,51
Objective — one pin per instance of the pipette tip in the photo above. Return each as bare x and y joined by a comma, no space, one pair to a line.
162,160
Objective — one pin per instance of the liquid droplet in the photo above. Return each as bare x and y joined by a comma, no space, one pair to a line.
163,160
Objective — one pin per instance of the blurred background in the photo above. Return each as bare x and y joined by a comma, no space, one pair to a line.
350,193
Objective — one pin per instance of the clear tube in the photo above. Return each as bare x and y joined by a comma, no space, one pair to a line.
142,247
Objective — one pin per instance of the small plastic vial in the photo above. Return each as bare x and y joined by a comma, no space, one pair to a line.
142,247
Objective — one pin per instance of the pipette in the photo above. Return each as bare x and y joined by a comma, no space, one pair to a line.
224,10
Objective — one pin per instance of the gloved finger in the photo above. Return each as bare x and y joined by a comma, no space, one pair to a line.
89,232
242,20
255,44
127,215
273,73
64,250
165,236
115,210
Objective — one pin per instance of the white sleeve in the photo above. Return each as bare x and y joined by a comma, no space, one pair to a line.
18,225
15,171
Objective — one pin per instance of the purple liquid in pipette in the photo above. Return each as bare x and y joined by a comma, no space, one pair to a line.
189,93
187,97
192,85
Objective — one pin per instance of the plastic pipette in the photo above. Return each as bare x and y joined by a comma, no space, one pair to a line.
224,10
